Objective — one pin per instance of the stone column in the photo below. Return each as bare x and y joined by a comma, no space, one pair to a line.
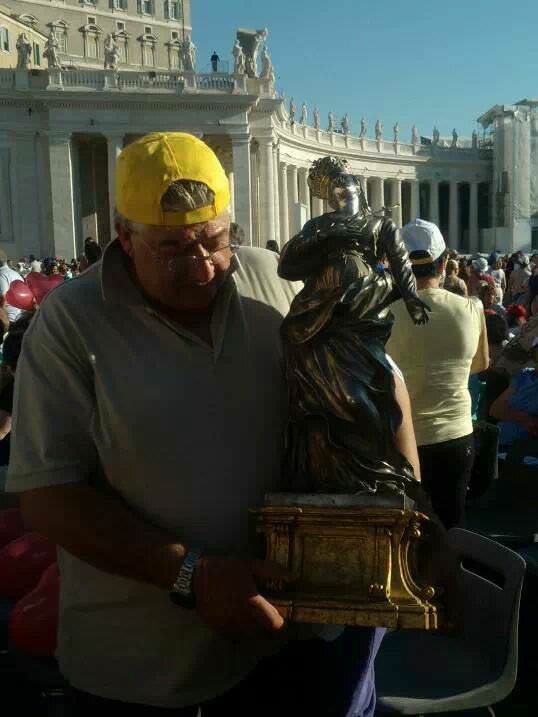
396,201
276,193
242,184
304,190
364,183
434,202
473,218
267,188
114,145
231,182
293,197
415,199
317,207
377,198
26,185
454,217
284,213
62,205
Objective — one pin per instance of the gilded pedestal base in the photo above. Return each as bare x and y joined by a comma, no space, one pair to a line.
352,566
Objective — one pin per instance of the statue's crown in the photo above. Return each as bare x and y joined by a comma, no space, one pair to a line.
323,172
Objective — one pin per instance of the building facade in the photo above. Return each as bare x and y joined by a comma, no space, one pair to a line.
148,32
61,130
10,30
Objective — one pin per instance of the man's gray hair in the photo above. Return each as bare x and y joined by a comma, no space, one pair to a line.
185,195
181,197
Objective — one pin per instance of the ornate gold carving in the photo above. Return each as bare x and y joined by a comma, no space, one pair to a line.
353,566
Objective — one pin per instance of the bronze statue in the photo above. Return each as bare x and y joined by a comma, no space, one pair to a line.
344,414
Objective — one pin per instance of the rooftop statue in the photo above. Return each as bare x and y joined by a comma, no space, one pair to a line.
239,59
112,53
24,52
317,119
51,53
344,414
364,128
378,130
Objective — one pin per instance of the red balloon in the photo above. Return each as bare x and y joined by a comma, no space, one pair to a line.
11,526
20,296
40,285
22,563
33,622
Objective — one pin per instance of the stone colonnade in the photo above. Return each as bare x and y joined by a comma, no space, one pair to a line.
280,195
270,195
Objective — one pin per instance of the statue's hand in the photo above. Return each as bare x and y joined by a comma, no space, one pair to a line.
417,310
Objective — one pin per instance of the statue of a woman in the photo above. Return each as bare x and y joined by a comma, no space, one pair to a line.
344,413
189,55
267,65
24,52
239,59
112,53
51,52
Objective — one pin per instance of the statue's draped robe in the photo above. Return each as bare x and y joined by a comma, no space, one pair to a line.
343,411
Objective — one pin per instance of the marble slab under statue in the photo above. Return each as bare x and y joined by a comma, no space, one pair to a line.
345,522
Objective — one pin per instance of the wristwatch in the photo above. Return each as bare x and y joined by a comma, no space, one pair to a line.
182,593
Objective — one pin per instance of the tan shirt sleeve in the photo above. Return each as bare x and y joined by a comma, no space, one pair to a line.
481,358
53,406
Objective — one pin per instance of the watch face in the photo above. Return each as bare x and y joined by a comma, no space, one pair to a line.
188,603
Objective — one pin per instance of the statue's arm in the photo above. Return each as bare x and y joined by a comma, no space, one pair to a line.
304,254
398,259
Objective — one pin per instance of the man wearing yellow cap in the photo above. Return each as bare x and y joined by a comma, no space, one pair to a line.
168,357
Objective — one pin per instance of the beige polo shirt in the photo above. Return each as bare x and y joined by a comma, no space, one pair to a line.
436,360
190,436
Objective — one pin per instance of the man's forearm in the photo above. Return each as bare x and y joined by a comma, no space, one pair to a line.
101,530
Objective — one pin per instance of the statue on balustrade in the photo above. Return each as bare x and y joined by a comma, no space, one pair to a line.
304,113
436,136
330,125
344,412
239,59
112,53
396,132
189,55
454,139
414,135
317,119
52,51
292,112
345,124
24,51
378,130
364,128
475,139
267,66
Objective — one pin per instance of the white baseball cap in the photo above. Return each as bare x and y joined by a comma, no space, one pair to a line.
480,264
423,236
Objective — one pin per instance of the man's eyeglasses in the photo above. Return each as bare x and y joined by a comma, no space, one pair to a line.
167,255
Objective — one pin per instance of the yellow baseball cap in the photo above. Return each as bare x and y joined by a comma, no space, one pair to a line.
146,169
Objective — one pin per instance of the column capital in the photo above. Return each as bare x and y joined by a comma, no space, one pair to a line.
58,136
240,139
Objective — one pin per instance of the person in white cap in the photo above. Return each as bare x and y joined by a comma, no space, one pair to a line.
436,362
479,267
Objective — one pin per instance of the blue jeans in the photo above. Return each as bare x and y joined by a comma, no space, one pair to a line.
310,677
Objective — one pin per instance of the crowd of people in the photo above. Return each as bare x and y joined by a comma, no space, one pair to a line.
170,427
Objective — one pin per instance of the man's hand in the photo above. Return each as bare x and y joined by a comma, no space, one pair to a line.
417,310
228,599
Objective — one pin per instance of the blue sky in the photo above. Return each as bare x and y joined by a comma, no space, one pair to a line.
417,62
